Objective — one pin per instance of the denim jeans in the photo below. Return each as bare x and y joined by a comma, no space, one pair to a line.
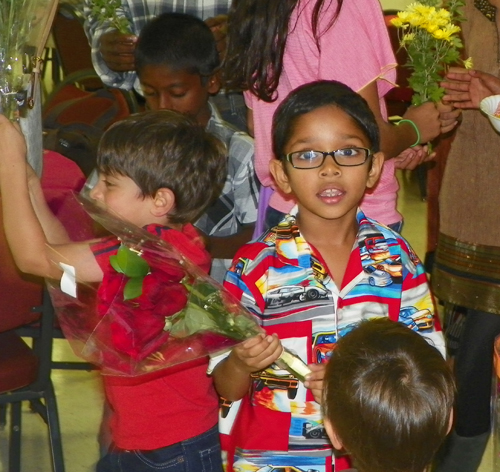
273,217
199,454
398,226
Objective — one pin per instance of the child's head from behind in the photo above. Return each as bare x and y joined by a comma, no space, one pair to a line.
326,138
176,58
388,397
167,155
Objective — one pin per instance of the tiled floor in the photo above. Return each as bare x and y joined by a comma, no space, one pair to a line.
80,397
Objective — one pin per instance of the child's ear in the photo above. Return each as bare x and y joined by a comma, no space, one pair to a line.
337,444
277,169
213,84
163,202
376,169
450,422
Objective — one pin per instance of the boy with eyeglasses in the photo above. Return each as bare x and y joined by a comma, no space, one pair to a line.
312,278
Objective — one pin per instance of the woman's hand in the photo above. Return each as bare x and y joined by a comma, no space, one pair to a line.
426,118
448,115
466,88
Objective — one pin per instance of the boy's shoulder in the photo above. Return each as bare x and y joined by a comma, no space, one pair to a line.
269,248
376,240
370,228
238,143
186,241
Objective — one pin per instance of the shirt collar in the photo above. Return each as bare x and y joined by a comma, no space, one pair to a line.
293,249
215,117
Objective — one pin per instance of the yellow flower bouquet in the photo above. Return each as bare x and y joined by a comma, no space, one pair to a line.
429,32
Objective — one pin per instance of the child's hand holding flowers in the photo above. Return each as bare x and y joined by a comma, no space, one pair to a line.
257,353
118,45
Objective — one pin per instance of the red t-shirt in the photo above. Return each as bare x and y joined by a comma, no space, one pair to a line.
176,406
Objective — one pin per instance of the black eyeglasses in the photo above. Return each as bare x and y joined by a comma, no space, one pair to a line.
347,157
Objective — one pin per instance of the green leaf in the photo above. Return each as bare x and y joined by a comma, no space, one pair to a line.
113,260
130,263
133,288
196,319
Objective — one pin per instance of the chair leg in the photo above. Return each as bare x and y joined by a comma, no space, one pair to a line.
15,437
421,171
3,416
54,429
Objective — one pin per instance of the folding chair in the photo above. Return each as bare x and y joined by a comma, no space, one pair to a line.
25,371
71,44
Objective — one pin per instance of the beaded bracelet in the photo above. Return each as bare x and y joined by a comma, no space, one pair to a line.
414,127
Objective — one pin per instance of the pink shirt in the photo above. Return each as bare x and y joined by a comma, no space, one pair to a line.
356,50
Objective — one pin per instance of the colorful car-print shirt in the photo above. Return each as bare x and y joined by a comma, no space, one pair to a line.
284,281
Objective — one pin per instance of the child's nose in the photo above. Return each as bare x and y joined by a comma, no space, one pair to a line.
165,102
330,166
96,193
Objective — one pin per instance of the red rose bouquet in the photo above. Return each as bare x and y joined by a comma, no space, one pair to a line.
155,309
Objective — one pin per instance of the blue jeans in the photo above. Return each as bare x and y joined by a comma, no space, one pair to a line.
398,226
199,454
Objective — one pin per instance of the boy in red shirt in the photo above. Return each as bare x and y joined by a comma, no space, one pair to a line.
157,170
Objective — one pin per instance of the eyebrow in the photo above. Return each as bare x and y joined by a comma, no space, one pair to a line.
344,136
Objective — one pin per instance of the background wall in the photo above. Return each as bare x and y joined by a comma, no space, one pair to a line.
394,4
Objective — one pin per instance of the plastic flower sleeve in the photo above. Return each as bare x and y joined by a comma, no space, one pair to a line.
154,310
24,28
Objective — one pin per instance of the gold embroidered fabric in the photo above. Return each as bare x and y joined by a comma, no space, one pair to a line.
486,8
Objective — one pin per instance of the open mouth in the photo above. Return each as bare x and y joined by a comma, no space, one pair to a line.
331,193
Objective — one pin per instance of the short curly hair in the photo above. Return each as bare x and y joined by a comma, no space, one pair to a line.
388,396
166,149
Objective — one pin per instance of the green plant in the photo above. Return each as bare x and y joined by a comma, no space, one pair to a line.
106,12
429,32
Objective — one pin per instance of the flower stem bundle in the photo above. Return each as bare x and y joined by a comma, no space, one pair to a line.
429,32
16,19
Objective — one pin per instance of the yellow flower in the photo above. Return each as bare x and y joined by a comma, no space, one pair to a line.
416,20
442,17
452,28
447,32
431,28
441,34
407,38
397,22
468,64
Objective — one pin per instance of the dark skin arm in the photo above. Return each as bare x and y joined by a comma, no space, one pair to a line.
218,26
466,88
226,247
